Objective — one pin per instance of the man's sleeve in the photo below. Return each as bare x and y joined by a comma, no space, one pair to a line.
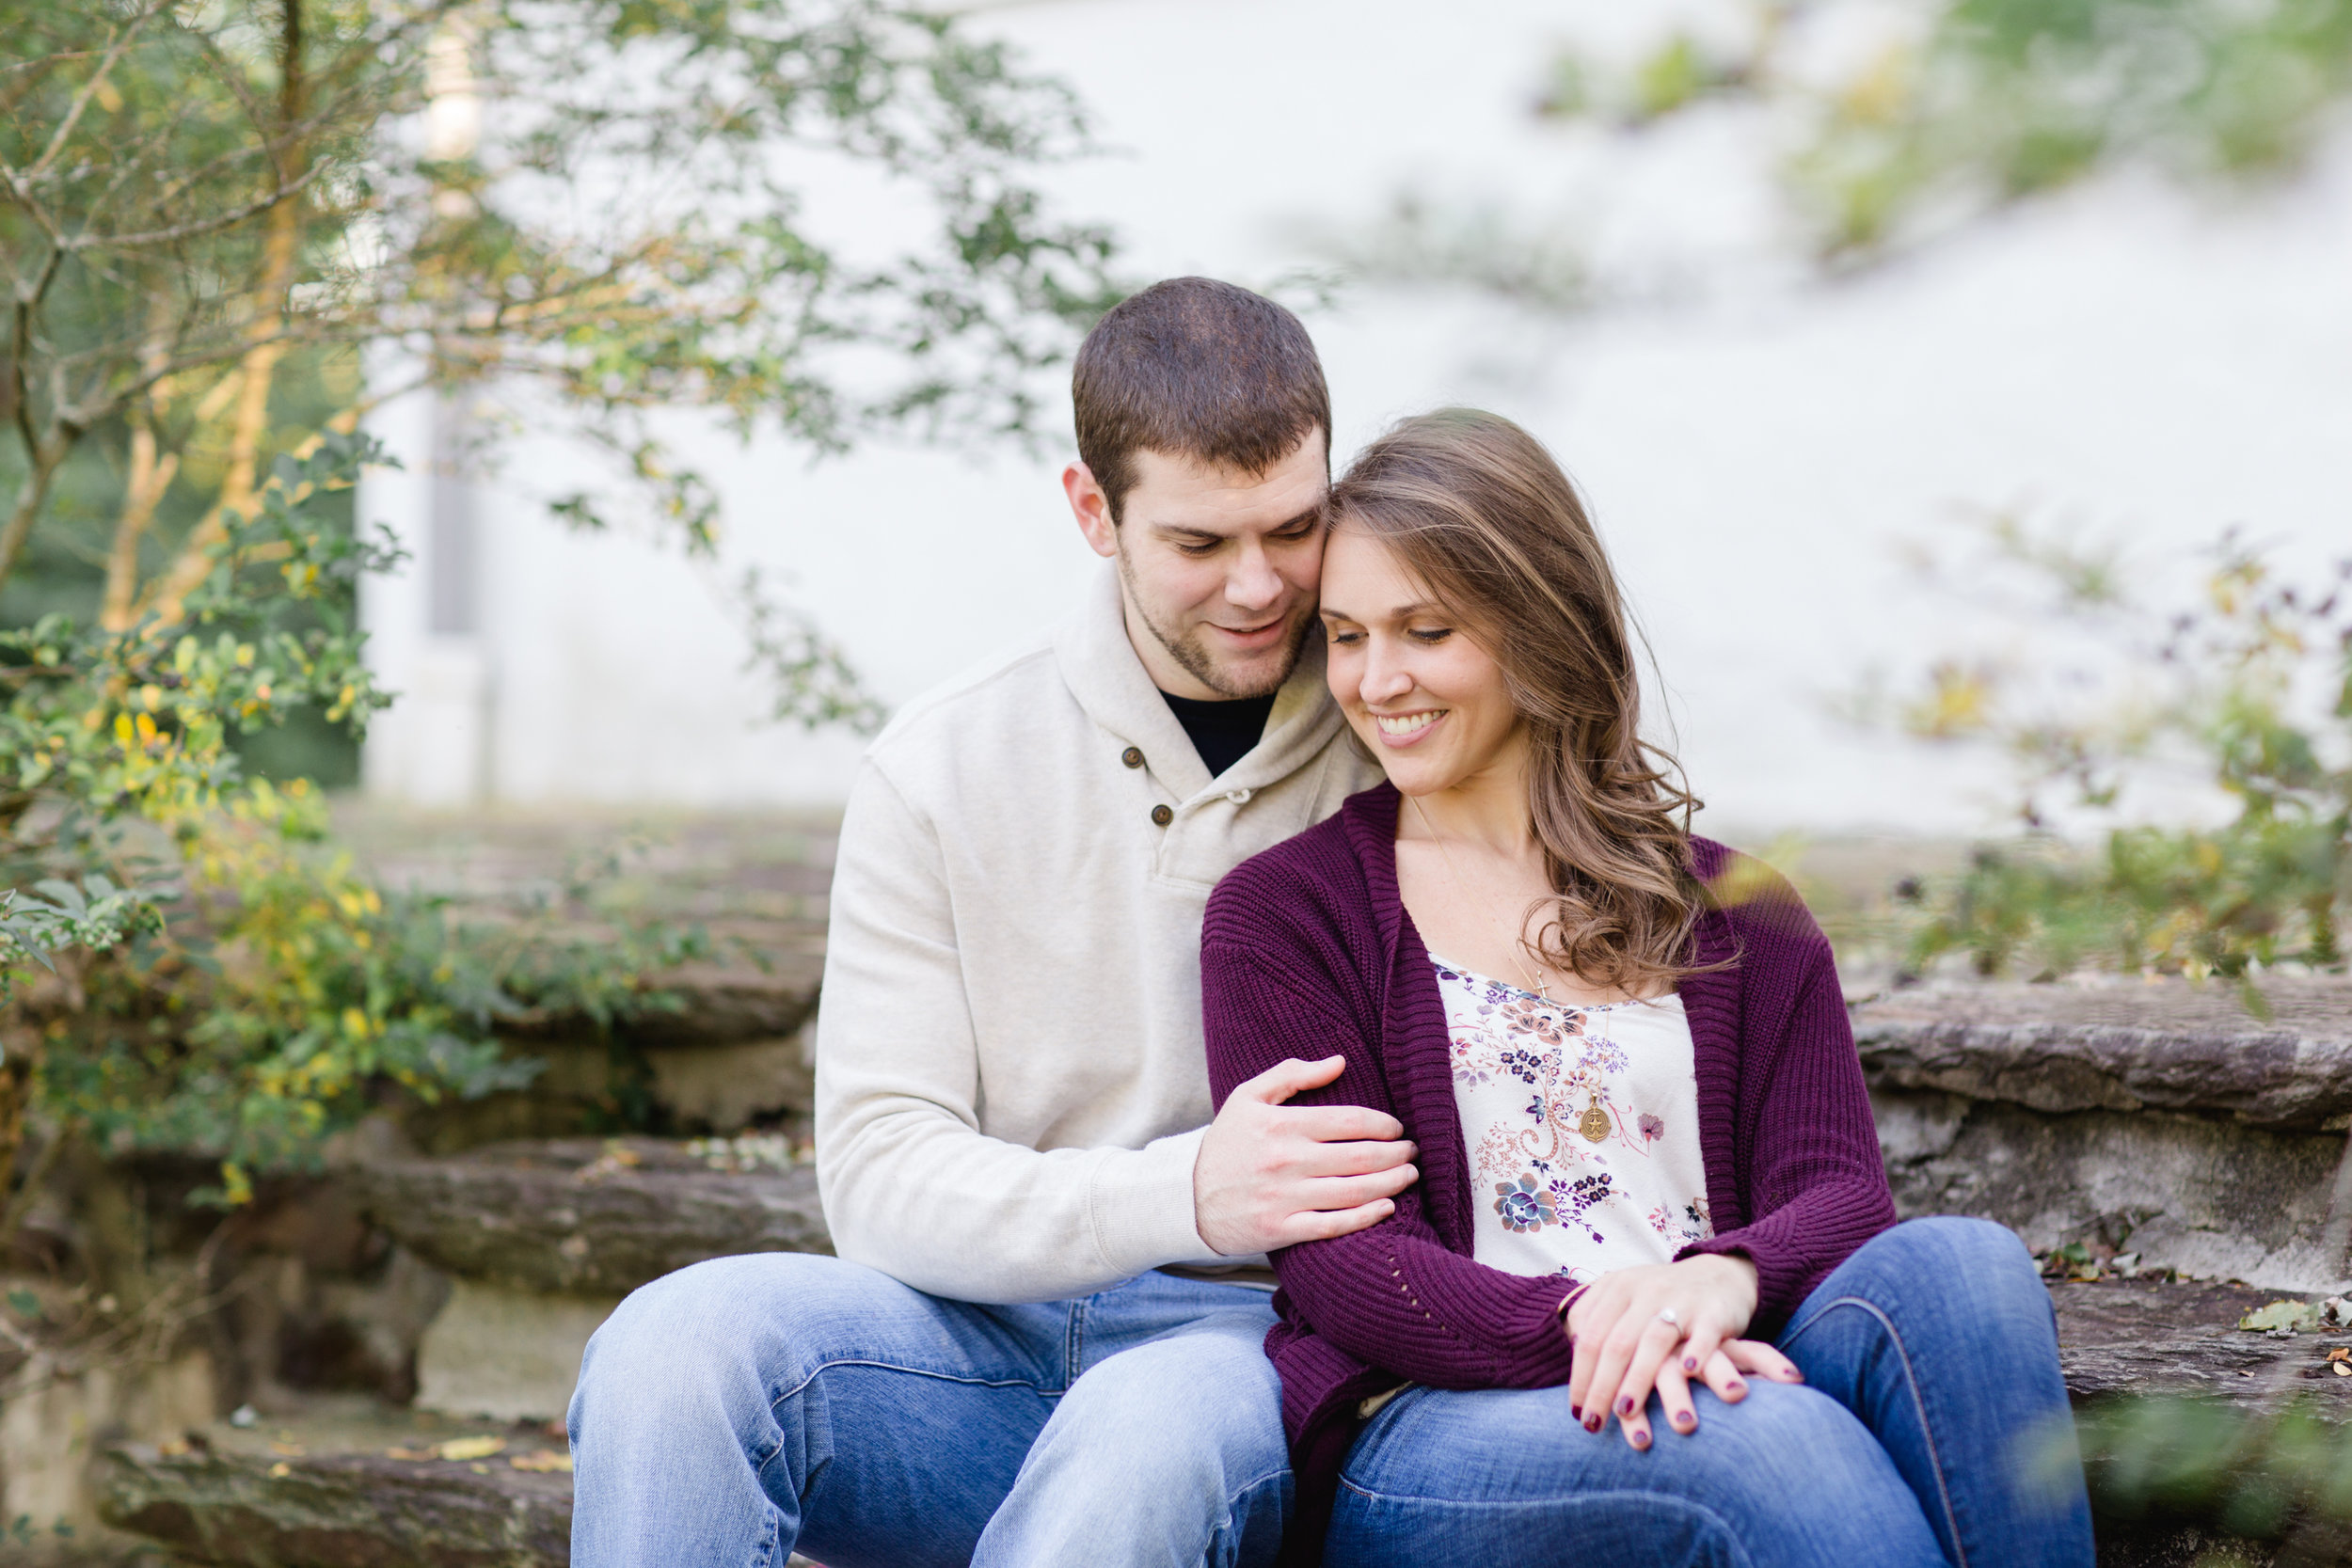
910,1185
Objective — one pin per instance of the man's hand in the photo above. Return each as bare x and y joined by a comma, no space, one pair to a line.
1270,1175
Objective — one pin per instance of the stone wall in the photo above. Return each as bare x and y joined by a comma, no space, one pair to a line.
2158,1119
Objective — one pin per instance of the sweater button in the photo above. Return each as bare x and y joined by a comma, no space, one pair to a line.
1132,757
1162,817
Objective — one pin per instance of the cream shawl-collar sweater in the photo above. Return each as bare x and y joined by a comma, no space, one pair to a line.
1011,1082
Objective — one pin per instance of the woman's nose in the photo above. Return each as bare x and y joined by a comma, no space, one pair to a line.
1384,678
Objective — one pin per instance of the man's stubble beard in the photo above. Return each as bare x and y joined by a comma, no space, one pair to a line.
1194,659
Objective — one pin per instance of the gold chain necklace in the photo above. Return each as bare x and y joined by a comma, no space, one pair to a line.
1594,1126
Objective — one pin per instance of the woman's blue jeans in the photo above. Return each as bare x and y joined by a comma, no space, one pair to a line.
736,1408
1931,1429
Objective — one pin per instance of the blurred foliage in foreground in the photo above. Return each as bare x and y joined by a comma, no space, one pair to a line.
1892,120
2240,702
2245,1471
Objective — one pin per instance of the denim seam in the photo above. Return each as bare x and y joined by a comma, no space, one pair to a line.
1225,1526
1650,1499
764,1556
911,1372
1919,1401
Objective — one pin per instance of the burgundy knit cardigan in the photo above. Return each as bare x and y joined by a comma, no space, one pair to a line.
1308,950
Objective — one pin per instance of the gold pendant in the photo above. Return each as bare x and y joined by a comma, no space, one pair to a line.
1594,1123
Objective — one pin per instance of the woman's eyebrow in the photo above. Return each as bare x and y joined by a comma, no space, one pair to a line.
1396,615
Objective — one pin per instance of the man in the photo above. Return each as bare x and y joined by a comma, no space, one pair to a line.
1040,1342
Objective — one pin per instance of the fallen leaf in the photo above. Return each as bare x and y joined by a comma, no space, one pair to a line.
547,1460
2288,1315
280,1470
2344,1369
470,1448
2342,1353
173,1449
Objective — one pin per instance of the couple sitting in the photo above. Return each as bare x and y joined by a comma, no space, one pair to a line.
1546,1111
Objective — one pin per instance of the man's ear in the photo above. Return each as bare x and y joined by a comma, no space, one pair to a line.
1093,508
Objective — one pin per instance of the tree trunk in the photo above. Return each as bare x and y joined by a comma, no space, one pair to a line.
150,476
42,460
281,246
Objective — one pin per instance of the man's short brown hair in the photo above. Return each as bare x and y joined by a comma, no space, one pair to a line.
1195,367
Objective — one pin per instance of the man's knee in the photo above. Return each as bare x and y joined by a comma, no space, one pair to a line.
1208,1397
716,1333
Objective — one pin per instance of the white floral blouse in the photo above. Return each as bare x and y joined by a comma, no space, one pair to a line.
1582,1126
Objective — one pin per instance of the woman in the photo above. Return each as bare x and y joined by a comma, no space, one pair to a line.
1648,1164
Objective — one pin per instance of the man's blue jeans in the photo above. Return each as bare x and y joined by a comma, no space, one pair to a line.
737,1407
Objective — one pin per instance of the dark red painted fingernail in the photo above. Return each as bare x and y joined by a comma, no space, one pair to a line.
1577,1411
1592,1423
1739,1388
1683,1417
1625,1405
1690,1363
1640,1439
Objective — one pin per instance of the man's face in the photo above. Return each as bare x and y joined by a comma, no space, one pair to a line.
1217,566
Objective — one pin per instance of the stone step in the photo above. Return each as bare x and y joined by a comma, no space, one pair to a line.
2119,1337
546,1237
355,1487
2154,1118
2123,1045
350,1483
594,1217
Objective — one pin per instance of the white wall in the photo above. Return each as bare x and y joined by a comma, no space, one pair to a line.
1758,456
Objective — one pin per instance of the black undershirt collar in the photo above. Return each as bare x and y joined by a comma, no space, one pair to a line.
1223,730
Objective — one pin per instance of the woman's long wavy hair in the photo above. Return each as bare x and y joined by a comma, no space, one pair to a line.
1479,512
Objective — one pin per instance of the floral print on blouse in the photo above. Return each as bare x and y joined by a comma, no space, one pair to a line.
1582,1126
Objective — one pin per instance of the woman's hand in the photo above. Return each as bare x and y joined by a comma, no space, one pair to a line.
1625,1346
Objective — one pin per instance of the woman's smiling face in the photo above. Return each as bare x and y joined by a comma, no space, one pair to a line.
1431,704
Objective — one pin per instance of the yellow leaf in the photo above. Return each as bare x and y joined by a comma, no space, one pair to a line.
471,1448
